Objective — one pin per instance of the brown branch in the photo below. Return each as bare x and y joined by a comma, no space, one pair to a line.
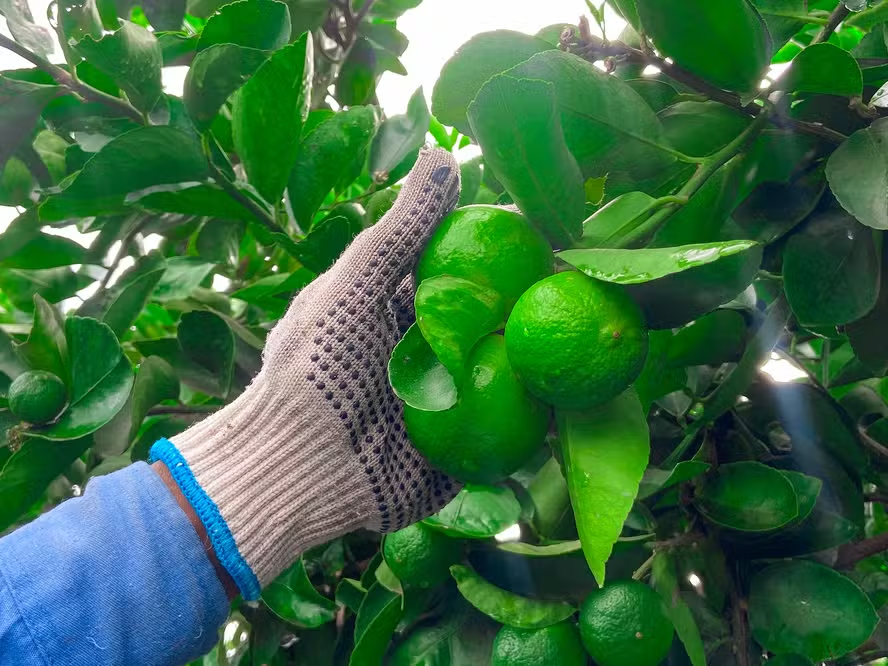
65,79
739,623
851,553
872,445
839,14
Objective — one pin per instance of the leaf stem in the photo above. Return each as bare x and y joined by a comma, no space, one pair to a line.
851,553
645,567
839,14
66,80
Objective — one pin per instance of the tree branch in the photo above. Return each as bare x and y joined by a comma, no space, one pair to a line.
851,553
65,79
185,410
839,14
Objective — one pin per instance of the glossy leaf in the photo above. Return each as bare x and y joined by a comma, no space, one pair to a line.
712,339
506,607
376,621
399,137
166,155
131,57
637,266
215,73
155,381
655,479
21,104
518,127
701,128
725,43
608,225
453,314
749,497
867,333
549,550
293,598
418,377
254,24
823,68
207,340
200,199
93,410
181,276
164,15
831,270
474,63
267,118
658,377
665,581
858,175
477,512
21,25
93,353
47,251
605,451
806,608
46,347
328,156
807,489
350,593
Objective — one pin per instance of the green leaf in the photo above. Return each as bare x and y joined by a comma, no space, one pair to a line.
25,474
282,284
350,593
474,63
506,607
549,550
831,270
215,73
748,496
644,265
806,608
182,275
47,251
155,381
655,479
605,451
665,581
609,224
807,489
207,340
453,314
712,339
866,335
293,598
858,175
477,512
267,117
11,363
46,347
21,24
356,83
166,155
219,240
377,618
164,15
608,127
701,128
93,410
658,378
93,353
823,68
773,209
119,305
329,157
519,130
198,199
658,94
325,243
725,43
399,137
131,57
21,104
254,24
418,377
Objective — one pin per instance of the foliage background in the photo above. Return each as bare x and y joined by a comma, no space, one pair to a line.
746,224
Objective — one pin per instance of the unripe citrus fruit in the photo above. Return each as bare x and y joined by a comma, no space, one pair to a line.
420,556
558,645
493,428
575,341
625,624
490,246
37,396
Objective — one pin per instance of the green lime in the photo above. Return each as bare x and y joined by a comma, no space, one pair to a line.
576,342
493,428
490,246
558,645
625,624
37,396
420,556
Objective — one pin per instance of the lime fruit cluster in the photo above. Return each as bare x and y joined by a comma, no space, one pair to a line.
625,624
419,556
557,644
37,396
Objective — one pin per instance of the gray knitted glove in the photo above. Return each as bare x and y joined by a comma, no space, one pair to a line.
316,447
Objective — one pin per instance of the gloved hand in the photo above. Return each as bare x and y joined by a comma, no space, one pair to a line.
316,446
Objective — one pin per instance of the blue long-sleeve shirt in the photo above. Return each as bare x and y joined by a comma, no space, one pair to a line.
118,576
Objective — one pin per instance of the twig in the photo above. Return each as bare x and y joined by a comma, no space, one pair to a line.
739,625
642,571
872,445
121,253
851,553
878,498
63,78
839,14
162,410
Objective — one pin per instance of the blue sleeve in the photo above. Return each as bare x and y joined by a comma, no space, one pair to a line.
118,576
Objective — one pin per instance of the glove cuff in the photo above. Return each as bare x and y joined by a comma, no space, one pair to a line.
264,494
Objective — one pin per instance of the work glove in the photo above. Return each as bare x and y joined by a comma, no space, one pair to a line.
316,445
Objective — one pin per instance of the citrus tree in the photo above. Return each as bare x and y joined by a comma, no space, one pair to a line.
674,212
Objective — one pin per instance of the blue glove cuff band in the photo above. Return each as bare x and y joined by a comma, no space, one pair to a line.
217,529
